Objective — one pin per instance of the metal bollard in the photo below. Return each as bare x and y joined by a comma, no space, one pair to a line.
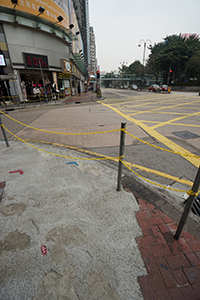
121,153
188,206
4,133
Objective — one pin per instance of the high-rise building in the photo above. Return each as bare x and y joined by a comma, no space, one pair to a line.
93,60
82,13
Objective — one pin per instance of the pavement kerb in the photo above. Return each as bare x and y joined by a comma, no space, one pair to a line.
64,101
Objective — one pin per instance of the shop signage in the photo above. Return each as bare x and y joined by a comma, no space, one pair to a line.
67,67
63,75
2,61
8,77
34,61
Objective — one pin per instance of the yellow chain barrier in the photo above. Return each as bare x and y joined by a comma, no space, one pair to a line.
100,132
62,133
163,149
189,192
55,154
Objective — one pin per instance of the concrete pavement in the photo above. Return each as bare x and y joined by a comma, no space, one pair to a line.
95,248
100,244
74,210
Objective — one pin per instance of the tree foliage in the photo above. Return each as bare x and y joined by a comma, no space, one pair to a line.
135,68
178,53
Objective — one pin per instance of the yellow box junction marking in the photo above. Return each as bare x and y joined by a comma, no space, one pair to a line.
158,136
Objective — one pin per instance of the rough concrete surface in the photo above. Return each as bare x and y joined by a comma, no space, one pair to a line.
88,228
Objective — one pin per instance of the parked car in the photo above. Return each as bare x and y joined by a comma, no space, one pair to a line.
154,88
164,88
134,87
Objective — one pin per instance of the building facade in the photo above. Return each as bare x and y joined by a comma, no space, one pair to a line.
38,47
82,13
93,60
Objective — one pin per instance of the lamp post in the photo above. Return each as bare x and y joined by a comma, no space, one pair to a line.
123,64
145,44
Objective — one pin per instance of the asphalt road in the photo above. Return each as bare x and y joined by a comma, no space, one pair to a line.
170,121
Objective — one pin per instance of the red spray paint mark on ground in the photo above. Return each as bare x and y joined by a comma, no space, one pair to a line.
44,249
17,171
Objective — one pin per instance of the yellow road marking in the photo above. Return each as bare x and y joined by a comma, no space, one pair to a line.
158,136
173,120
165,107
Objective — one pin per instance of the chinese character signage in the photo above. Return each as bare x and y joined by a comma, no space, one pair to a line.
33,61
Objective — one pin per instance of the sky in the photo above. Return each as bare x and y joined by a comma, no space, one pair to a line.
120,25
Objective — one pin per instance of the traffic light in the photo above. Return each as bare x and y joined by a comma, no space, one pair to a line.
170,71
98,74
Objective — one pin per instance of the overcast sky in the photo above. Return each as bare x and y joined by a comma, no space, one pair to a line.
120,25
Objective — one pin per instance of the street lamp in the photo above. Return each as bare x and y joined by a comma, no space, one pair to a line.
123,64
145,44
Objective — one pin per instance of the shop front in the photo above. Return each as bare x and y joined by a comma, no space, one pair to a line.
64,79
35,77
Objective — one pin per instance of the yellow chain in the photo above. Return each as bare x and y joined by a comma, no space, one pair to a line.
60,155
189,192
163,149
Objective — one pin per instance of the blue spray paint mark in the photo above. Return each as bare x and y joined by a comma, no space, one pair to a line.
72,163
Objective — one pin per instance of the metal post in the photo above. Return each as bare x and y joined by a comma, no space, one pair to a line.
4,133
16,92
121,153
188,206
7,91
143,65
43,82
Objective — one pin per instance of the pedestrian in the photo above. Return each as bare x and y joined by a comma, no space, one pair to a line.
54,90
79,90
36,92
23,85
2,97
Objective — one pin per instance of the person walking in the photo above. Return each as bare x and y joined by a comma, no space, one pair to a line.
79,90
2,97
23,86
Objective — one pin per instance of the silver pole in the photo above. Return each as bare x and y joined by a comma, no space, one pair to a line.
121,153
43,82
4,133
188,206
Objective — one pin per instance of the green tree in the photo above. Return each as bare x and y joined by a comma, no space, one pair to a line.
123,69
107,83
175,52
135,68
193,66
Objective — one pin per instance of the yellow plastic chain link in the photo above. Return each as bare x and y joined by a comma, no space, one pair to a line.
163,149
55,154
189,192
62,133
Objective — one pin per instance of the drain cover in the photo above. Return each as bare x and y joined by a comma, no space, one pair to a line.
196,206
186,135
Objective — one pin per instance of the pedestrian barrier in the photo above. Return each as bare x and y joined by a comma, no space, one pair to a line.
123,130
32,98
163,149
